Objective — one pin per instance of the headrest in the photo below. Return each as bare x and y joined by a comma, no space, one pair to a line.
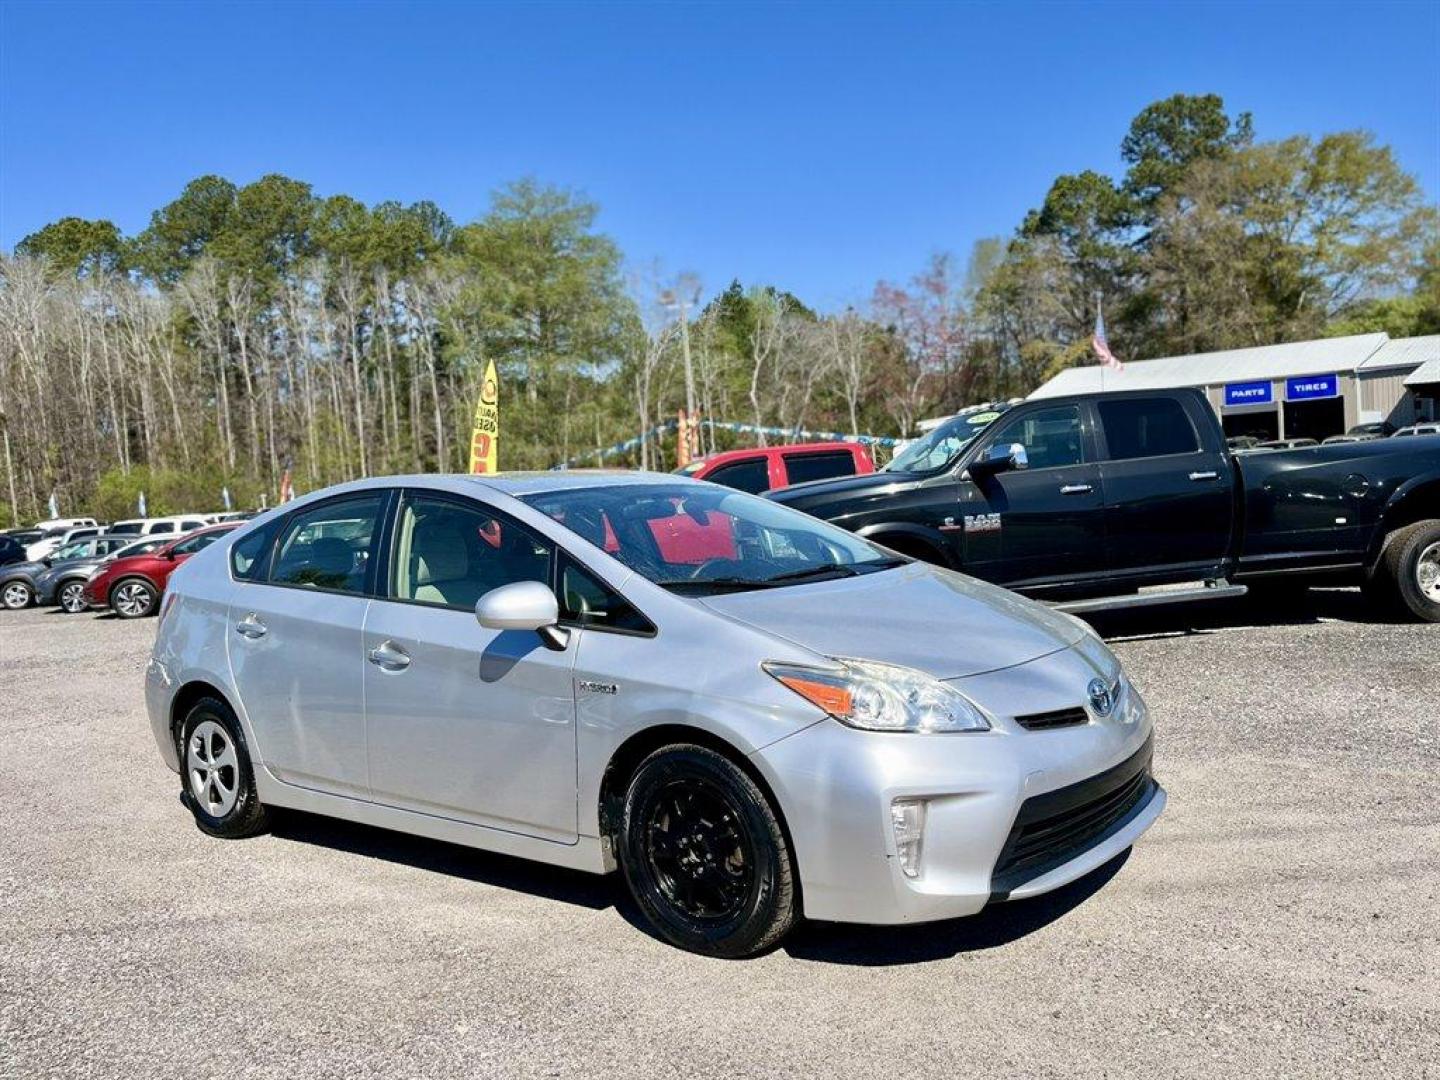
439,550
331,556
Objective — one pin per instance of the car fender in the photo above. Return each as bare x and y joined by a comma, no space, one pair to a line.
1417,498
931,538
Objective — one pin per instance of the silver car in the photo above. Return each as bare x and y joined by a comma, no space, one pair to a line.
750,713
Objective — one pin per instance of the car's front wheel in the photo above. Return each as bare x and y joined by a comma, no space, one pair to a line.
217,780
133,598
71,597
704,854
16,595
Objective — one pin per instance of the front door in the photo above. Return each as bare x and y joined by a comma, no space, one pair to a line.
295,643
465,722
1043,524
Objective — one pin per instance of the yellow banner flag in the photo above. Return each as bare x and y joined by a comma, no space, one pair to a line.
486,436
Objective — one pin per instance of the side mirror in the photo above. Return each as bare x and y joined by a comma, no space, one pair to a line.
523,605
1000,459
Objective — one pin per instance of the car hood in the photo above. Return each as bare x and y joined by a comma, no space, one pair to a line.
921,616
817,492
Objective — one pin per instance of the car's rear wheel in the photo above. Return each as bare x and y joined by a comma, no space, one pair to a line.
1406,578
71,597
16,595
217,780
133,598
704,854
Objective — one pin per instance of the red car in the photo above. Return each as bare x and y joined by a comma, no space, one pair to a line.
767,467
132,587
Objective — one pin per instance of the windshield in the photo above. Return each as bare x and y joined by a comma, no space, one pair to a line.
699,539
939,447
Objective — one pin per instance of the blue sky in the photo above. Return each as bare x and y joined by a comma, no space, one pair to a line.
817,147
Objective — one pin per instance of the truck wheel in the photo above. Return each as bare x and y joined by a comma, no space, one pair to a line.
1406,577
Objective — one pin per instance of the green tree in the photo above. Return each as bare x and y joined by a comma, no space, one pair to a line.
78,246
182,230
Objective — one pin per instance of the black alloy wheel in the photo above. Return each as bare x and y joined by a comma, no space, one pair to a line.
705,856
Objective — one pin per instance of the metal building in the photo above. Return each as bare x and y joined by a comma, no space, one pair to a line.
1302,389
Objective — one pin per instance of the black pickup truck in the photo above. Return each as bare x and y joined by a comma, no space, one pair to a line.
1094,500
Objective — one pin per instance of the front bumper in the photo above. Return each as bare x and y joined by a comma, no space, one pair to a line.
982,793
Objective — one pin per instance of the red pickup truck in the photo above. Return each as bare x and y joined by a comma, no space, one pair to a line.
768,467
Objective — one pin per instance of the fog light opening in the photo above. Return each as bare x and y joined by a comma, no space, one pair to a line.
907,818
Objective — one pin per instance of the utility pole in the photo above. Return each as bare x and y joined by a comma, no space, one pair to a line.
685,293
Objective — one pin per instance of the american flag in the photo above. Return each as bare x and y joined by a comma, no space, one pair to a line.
1102,347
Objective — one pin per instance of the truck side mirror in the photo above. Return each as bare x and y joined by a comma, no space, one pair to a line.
1001,458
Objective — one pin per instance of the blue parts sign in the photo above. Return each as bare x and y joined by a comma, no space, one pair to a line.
1309,387
1249,393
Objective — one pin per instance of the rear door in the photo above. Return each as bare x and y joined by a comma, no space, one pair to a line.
1169,487
295,640
1044,523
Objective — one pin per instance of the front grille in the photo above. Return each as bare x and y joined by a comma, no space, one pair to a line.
1043,721
1053,828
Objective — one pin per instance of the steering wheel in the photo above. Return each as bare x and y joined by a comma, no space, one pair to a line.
733,565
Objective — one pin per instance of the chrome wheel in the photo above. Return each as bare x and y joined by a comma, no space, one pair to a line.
213,768
1427,572
16,595
72,596
132,599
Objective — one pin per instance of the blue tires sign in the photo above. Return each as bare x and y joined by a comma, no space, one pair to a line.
1309,387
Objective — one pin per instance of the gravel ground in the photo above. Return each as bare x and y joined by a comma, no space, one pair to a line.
1279,921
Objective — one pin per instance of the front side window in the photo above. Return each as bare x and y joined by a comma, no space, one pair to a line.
692,538
452,553
1146,427
77,550
126,528
329,546
163,527
752,476
1051,437
585,601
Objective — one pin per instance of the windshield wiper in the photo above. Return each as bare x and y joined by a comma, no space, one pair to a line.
727,584
838,569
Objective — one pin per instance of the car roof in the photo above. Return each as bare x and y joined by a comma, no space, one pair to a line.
535,483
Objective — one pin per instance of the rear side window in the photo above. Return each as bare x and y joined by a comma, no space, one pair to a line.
330,546
801,468
1147,427
752,476
163,527
250,554
586,602
126,528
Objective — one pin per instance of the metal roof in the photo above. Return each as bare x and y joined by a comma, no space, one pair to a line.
1426,373
1320,357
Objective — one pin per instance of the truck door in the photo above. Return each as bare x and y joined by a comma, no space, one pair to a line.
1043,523
1169,485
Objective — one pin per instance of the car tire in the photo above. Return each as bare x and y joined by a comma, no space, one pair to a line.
705,856
70,596
133,598
1406,577
217,780
16,595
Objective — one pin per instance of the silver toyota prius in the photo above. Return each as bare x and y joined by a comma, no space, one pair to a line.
753,714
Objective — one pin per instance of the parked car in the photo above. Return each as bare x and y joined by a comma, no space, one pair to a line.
131,587
179,523
767,467
52,540
1426,428
1287,444
11,551
440,655
52,524
1377,429
63,583
20,582
1242,442
1086,499
1363,437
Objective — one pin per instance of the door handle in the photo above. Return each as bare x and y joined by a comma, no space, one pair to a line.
389,657
250,627
1209,474
1076,489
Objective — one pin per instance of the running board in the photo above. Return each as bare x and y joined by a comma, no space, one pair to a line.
1208,591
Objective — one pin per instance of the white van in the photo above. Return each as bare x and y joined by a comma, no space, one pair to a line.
57,537
179,523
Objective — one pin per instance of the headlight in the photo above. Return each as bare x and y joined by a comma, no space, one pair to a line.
882,697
